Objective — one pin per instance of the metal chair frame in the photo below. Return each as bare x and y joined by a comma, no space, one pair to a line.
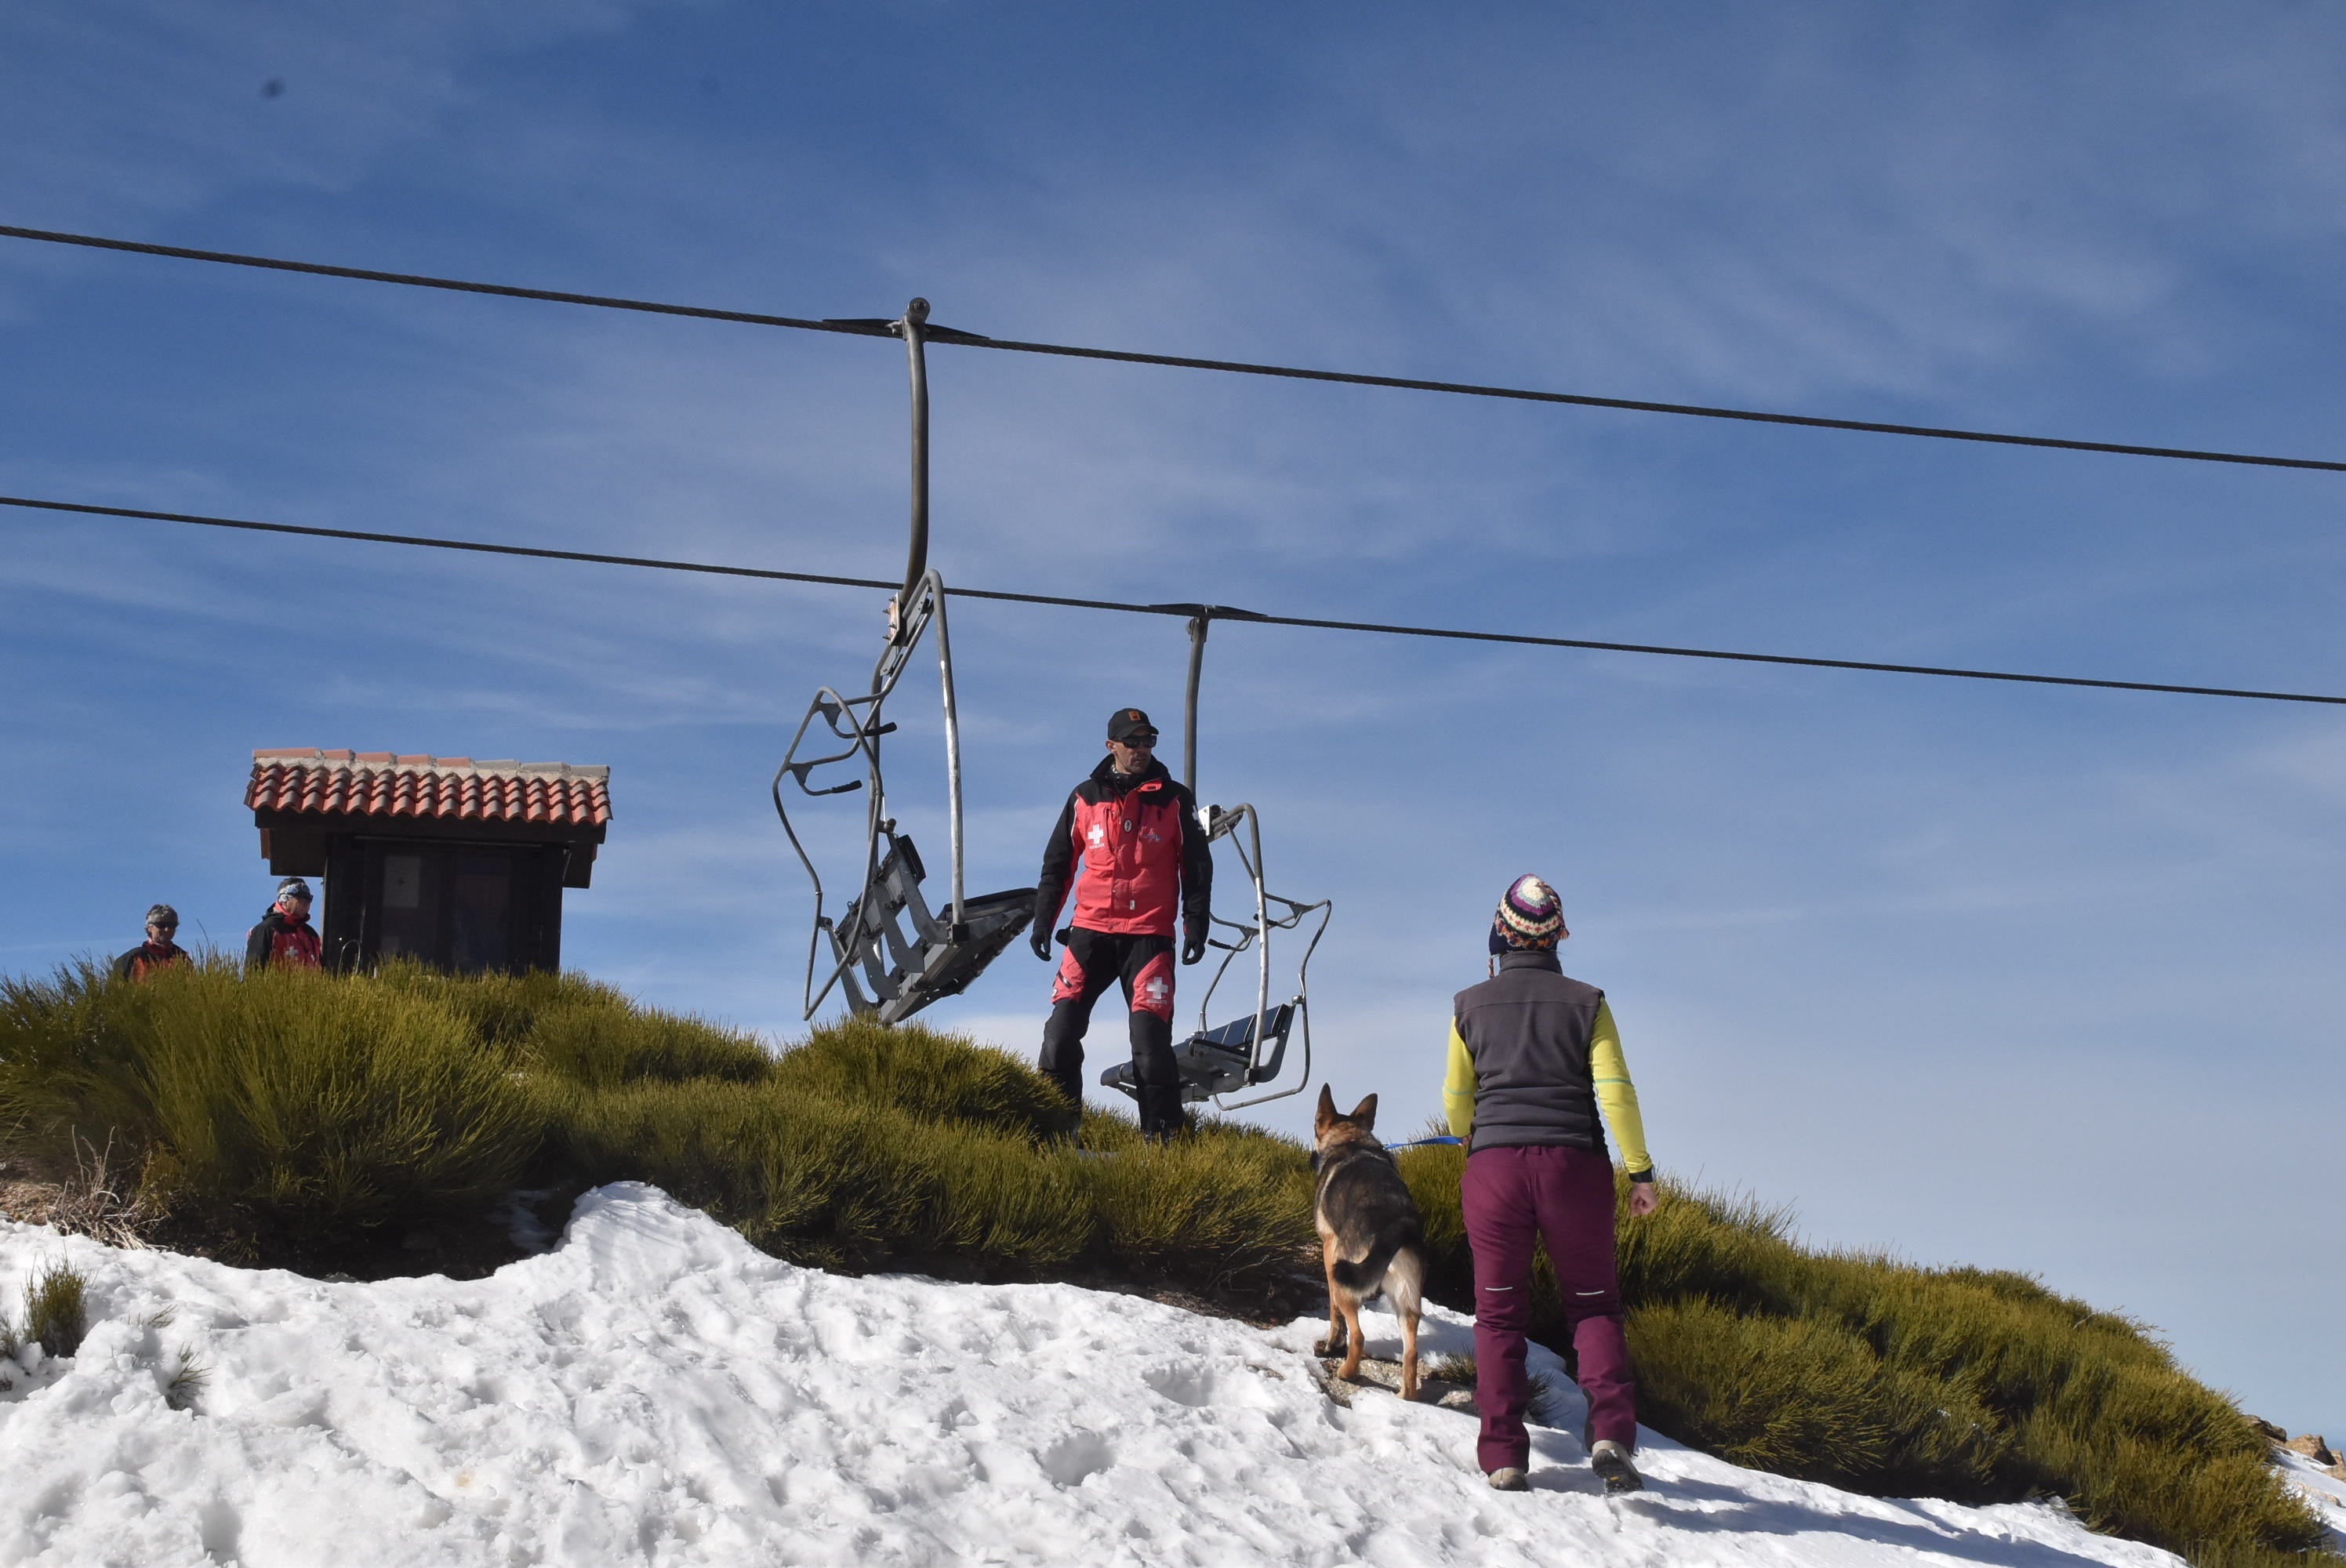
940,957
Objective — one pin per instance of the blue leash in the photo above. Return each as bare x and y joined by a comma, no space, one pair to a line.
1421,1143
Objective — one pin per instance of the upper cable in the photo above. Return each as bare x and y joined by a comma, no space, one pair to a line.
870,328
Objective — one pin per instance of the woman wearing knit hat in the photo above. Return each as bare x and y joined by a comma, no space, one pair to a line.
1536,1074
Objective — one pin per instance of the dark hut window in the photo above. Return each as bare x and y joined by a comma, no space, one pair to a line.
458,906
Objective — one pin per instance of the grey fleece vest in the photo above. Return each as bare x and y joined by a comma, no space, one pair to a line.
1528,1028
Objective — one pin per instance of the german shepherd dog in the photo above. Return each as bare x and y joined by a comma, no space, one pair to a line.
1371,1236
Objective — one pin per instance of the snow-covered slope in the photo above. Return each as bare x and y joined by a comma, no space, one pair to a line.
656,1390
2324,1491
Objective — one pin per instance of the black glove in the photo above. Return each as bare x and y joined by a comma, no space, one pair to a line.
1039,939
1193,943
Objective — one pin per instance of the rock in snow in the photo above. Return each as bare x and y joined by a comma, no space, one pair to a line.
654,1390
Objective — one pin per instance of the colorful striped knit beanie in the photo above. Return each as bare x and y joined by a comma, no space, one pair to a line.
1530,918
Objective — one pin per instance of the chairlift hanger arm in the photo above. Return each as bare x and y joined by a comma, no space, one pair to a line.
912,329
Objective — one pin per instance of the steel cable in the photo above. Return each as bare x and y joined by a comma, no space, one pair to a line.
1218,612
871,329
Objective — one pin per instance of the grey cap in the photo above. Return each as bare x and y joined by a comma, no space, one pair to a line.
293,888
163,915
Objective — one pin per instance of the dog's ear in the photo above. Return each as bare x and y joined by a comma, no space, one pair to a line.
1364,1114
1327,1111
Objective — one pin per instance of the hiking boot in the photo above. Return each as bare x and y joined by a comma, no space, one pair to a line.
1509,1477
1611,1462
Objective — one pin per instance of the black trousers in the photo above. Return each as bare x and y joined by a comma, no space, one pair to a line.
1094,961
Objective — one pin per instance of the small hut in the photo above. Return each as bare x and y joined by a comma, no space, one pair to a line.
457,863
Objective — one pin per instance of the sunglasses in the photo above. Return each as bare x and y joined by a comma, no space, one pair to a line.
1140,742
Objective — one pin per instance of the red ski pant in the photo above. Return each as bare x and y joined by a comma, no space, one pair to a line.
1094,961
1513,1197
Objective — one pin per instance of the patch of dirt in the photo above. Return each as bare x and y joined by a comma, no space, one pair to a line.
469,1245
462,1246
1386,1375
28,1201
89,1200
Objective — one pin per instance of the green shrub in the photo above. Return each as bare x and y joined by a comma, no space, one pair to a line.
189,1377
832,1182
1805,1398
926,1075
1228,1206
292,1104
583,1029
500,1009
56,1309
603,1047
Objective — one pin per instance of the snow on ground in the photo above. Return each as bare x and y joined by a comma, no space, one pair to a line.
2324,1491
656,1390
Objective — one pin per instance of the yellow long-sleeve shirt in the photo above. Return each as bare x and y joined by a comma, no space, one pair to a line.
1616,1096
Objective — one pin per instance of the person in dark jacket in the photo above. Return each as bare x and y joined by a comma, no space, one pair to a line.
159,950
1536,1075
1145,858
284,938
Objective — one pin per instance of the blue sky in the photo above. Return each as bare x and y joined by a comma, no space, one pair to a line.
2019,977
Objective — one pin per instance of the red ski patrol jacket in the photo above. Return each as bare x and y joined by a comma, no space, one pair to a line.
278,940
1145,856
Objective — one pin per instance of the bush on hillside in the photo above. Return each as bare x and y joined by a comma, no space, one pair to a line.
299,1103
499,1009
57,1309
582,1029
1804,1397
832,1182
1229,1206
936,1077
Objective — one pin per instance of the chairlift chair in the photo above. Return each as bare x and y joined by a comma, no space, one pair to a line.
1250,1050
890,953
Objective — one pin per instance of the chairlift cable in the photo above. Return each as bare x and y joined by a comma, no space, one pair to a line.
1060,601
857,328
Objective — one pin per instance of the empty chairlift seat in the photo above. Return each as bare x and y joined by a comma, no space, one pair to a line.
1221,1061
908,956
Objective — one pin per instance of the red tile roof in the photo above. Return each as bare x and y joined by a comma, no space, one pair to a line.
380,784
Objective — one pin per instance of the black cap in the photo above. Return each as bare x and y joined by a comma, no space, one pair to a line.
1127,722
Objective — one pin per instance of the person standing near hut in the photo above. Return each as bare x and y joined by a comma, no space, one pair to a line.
284,939
159,950
1535,1060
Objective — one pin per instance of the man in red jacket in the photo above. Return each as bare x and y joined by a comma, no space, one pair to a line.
1145,858
284,939
159,952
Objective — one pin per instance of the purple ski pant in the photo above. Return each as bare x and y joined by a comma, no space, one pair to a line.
1512,1197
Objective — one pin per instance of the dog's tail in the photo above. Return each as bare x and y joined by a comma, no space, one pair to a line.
1365,1278
1405,1281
